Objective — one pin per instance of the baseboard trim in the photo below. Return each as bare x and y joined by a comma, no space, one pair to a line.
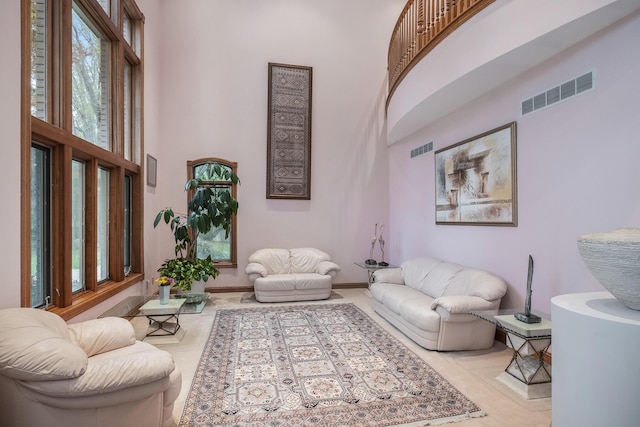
356,285
218,289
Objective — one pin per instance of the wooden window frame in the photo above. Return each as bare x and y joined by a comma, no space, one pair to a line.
56,133
191,165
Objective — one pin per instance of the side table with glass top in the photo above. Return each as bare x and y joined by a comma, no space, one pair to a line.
164,319
527,373
372,268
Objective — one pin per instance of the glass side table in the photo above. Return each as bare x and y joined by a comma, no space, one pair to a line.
530,343
163,319
372,268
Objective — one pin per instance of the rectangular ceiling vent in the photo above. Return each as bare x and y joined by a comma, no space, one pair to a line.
422,149
559,93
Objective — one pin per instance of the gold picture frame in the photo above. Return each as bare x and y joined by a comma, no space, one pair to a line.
476,180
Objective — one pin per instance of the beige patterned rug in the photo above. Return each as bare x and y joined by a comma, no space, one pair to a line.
323,365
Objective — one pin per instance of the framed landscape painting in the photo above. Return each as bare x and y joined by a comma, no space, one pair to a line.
476,180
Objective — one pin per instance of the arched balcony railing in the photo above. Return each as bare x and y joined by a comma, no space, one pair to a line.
421,26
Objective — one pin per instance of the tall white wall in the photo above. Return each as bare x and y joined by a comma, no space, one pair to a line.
206,95
576,171
206,77
10,159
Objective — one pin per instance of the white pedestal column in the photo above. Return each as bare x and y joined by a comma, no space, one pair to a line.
596,350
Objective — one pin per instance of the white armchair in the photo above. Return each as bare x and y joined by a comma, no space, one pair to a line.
298,274
92,373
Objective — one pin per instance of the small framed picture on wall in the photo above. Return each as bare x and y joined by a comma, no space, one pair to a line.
152,170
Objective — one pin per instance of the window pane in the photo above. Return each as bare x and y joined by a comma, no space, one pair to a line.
89,87
106,5
39,59
103,224
205,172
77,225
126,29
127,111
213,243
127,225
40,227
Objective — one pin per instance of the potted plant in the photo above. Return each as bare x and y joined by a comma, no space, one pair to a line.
209,207
164,288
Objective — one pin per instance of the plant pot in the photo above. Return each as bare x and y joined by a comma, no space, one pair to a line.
164,292
613,258
197,287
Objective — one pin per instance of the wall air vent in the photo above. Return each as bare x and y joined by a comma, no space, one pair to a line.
422,149
559,93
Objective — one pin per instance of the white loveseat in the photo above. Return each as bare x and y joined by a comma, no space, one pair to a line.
299,274
430,300
87,374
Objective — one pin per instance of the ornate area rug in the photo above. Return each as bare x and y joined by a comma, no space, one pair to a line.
323,365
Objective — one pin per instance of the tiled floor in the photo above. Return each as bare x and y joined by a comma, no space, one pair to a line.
472,372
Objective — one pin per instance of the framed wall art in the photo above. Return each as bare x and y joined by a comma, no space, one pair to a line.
152,170
476,180
289,132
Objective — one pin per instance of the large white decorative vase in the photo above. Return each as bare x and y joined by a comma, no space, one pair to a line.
614,259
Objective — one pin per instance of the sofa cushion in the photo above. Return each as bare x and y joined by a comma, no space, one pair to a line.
417,312
428,275
36,345
415,271
409,304
393,296
439,277
276,261
305,260
476,283
312,281
119,369
276,282
101,335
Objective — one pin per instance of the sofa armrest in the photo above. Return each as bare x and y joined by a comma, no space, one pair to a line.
255,270
389,275
463,304
101,335
328,267
118,370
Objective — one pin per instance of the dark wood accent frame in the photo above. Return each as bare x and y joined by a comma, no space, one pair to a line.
233,263
421,26
64,146
271,146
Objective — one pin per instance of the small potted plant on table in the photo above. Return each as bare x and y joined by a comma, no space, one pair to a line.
164,288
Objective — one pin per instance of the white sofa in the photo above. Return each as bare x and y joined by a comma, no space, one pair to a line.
299,274
92,373
430,300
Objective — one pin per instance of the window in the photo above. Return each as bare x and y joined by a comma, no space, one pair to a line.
82,226
77,226
221,248
40,227
89,81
